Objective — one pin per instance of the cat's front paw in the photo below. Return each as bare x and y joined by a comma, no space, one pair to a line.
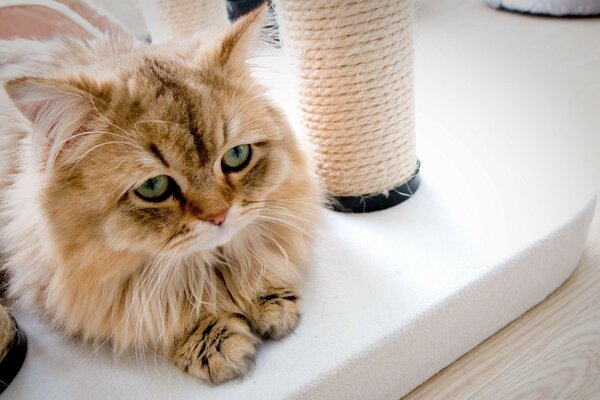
220,348
276,313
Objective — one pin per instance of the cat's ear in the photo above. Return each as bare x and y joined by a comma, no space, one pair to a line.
234,47
48,101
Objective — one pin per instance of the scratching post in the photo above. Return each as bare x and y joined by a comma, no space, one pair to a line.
354,64
178,19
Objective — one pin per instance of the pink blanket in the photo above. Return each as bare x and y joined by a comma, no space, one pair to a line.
46,19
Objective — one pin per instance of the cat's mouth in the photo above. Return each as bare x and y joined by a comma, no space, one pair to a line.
208,238
181,242
202,236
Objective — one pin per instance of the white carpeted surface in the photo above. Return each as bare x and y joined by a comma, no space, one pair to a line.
509,138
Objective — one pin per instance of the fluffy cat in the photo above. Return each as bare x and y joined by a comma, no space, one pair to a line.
154,197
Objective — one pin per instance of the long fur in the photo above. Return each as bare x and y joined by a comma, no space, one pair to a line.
78,129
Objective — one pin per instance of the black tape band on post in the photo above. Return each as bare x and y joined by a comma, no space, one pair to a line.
365,204
238,8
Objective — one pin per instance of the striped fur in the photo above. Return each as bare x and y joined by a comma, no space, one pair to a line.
82,125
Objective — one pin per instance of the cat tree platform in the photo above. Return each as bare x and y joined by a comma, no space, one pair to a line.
509,140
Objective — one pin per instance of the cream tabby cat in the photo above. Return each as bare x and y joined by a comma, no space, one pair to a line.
153,196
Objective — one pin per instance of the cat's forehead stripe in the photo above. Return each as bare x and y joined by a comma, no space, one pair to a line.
193,130
154,149
181,93
160,74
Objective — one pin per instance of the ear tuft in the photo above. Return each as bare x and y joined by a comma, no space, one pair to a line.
40,99
235,45
36,97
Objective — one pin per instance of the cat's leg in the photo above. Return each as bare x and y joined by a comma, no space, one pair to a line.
222,345
218,348
274,313
7,332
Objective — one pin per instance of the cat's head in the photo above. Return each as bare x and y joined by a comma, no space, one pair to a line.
162,150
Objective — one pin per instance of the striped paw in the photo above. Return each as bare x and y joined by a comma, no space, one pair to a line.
275,313
218,349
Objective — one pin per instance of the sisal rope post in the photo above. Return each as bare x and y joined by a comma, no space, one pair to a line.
179,19
354,65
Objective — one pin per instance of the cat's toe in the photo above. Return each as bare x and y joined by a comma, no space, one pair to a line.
219,349
276,313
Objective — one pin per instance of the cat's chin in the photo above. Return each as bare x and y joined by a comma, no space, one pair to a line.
207,237
218,236
222,236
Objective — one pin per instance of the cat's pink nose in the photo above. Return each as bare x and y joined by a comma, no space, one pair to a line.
218,219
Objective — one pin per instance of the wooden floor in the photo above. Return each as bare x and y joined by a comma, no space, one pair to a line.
551,352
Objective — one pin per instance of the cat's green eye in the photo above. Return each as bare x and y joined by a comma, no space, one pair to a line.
236,158
156,189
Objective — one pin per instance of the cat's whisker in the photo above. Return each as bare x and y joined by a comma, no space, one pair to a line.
259,95
153,282
286,200
105,144
87,133
286,224
141,355
92,353
156,293
155,121
152,121
288,215
314,201
57,148
104,118
264,227
271,237
262,270
150,264
248,89
239,98
275,212
261,228
286,206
